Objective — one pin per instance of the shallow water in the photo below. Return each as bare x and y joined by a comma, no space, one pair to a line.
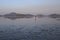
29,29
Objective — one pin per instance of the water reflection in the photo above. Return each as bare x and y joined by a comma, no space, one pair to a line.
30,29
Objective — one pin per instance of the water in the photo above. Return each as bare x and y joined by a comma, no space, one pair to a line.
30,29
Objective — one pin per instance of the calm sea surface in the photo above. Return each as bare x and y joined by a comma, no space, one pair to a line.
29,29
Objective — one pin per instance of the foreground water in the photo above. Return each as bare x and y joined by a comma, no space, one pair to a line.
30,29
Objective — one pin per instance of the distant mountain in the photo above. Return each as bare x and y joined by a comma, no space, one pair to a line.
40,15
28,15
14,15
0,15
54,15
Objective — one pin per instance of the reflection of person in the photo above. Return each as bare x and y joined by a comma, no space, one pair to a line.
35,19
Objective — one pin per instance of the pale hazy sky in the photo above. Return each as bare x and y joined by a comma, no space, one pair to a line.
30,6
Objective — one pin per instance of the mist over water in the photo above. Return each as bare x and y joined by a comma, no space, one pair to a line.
29,19
29,29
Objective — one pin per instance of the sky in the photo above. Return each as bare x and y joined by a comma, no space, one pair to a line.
30,6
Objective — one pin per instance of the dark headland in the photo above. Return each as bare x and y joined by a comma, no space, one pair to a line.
54,15
14,15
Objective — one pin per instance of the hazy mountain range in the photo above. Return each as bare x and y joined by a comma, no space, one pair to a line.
14,15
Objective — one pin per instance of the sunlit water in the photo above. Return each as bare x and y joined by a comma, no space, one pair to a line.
29,29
